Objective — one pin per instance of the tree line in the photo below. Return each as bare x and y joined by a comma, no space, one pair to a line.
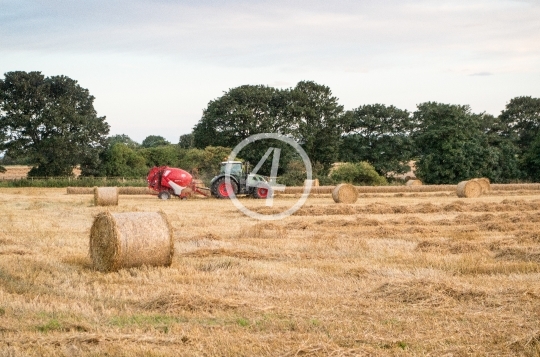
50,124
448,142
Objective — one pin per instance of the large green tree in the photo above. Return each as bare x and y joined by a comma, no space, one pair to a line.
521,118
379,135
242,112
50,120
308,112
520,124
316,120
238,114
504,152
152,141
531,160
451,144
186,141
122,139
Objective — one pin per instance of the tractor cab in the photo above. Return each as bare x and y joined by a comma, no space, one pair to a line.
236,168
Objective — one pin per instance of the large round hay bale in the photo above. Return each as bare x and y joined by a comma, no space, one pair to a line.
106,196
345,193
469,189
80,190
125,240
414,183
129,190
484,183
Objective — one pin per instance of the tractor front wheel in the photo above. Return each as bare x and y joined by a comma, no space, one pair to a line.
221,189
261,192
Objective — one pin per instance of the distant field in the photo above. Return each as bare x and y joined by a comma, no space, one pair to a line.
15,172
394,274
20,171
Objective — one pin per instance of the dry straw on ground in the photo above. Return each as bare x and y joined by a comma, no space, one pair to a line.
345,193
424,275
106,196
516,187
80,190
469,189
414,183
131,239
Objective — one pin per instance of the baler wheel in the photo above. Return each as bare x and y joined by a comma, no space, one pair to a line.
164,195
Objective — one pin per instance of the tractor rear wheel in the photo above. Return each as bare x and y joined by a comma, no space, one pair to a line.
220,189
261,192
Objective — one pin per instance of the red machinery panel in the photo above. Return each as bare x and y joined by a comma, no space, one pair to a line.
159,177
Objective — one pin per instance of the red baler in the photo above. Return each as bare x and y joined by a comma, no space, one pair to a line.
170,181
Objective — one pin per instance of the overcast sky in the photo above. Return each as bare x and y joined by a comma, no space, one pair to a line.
153,66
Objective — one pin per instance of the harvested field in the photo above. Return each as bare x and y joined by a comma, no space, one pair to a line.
409,275
15,172
412,189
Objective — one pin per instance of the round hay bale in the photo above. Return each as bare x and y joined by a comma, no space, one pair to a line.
131,239
105,196
129,190
414,183
484,183
345,193
469,189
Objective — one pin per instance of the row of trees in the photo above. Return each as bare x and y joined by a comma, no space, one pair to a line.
50,123
449,142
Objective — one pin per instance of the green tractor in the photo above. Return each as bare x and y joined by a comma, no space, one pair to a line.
242,183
